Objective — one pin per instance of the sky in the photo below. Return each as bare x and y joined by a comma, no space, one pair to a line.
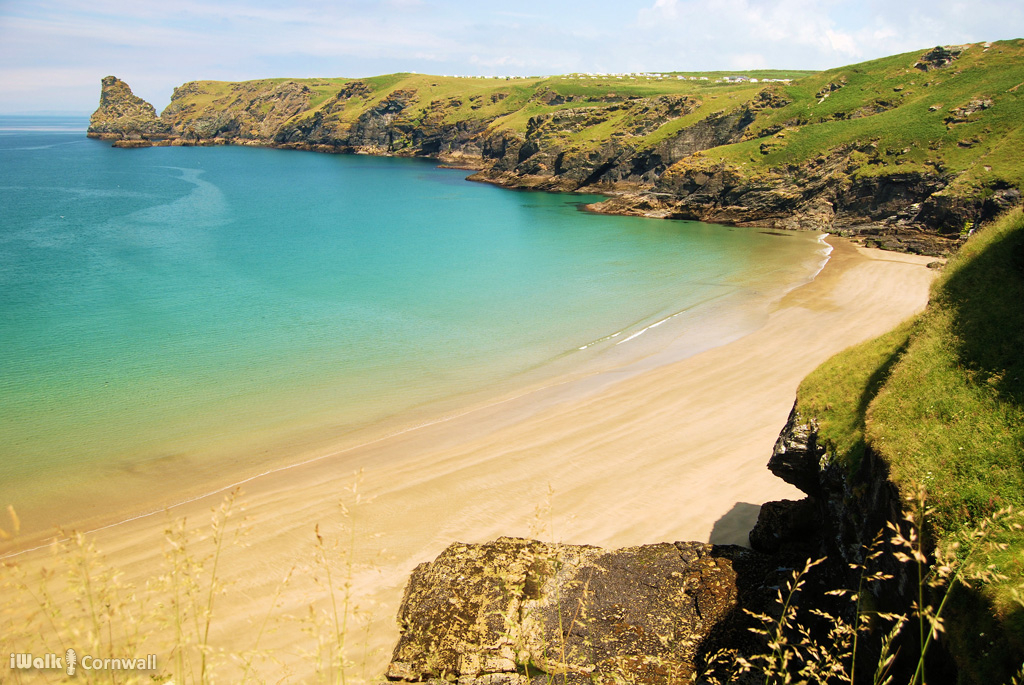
53,53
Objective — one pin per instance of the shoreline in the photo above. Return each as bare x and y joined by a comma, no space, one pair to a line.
623,199
110,497
675,452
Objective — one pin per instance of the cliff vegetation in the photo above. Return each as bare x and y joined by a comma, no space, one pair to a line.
938,404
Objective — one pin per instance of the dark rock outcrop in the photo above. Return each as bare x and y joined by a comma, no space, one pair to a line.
521,611
122,115
891,211
847,520
938,57
788,526
962,114
845,509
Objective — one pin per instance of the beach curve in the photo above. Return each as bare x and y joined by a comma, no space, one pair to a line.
661,455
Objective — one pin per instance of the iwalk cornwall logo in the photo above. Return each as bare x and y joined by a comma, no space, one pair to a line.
70,662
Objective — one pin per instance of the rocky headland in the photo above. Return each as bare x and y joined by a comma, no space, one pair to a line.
904,153
125,118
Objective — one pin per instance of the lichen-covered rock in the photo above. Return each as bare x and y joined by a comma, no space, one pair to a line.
962,114
124,115
512,610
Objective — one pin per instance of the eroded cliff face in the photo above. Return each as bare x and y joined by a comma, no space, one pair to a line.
249,113
848,519
906,211
546,158
123,116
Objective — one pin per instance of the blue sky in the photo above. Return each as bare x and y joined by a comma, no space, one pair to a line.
53,53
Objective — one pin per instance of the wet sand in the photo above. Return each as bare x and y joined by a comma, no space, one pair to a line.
677,452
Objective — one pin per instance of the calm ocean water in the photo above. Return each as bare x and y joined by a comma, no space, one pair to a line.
191,303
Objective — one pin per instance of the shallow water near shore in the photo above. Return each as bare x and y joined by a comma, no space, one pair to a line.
173,316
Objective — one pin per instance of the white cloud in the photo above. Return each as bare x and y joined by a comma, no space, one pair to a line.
842,43
504,62
748,60
29,78
732,26
817,33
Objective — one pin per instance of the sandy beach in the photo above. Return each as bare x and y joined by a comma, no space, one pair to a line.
677,452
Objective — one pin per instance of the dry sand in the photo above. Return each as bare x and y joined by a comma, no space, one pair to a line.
675,453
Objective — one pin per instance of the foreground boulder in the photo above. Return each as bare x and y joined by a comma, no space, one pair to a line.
519,611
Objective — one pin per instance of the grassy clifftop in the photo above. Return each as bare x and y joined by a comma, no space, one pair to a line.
941,401
953,111
504,104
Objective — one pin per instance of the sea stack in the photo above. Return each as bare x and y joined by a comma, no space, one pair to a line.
124,117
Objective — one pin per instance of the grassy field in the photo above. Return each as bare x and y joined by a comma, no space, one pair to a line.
908,118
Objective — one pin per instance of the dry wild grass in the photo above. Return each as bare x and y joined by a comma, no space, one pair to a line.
76,598
816,646
79,599
557,658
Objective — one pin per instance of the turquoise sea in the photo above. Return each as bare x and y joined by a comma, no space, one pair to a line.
166,311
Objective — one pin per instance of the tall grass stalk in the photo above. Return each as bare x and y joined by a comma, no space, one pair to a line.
249,659
798,649
331,630
219,527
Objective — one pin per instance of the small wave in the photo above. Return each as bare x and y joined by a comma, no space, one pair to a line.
14,130
827,252
41,147
601,340
653,325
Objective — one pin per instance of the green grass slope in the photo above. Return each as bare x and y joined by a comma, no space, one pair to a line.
965,118
941,400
